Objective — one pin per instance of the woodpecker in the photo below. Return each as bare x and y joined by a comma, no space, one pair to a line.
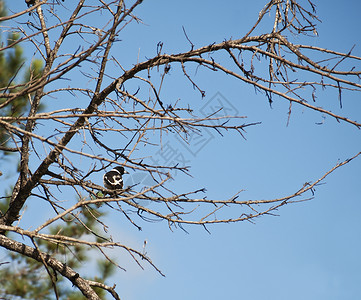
113,179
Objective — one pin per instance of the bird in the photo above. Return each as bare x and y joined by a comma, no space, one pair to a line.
113,179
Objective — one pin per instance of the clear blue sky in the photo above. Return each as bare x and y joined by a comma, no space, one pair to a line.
312,249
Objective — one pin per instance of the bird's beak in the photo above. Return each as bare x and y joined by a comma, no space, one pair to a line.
126,172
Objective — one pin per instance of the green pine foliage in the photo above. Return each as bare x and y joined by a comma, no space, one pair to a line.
14,74
25,278
22,277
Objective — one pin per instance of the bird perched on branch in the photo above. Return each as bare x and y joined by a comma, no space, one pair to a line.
113,179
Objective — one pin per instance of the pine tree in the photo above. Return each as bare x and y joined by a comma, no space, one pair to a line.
13,75
26,278
21,276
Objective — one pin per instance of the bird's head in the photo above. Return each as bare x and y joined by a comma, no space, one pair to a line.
121,170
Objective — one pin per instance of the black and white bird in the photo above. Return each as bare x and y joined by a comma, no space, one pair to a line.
113,179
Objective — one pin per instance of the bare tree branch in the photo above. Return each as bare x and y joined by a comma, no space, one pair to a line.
110,112
63,269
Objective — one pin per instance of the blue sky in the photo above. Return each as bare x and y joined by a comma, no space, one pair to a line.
312,249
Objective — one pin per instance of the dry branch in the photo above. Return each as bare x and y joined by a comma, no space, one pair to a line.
292,73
